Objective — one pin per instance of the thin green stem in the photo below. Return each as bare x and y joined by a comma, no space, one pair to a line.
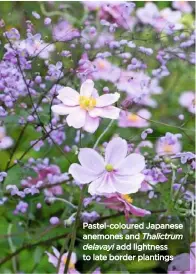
12,247
103,133
73,238
63,200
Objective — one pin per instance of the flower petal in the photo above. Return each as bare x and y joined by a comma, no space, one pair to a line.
91,124
77,118
92,189
52,259
82,174
105,112
107,99
87,88
107,185
116,151
6,142
132,164
101,185
140,212
56,252
68,96
92,160
131,186
61,109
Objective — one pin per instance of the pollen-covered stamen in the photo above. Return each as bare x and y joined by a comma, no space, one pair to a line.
168,148
133,117
87,103
109,167
127,198
71,265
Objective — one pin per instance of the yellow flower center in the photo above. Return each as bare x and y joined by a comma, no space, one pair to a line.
87,103
71,265
101,65
109,167
133,117
127,198
168,148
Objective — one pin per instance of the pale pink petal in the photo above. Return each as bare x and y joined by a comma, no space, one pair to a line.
92,160
73,257
6,142
107,185
101,185
77,118
61,268
95,93
127,187
116,151
92,189
52,259
68,96
132,164
82,174
63,110
56,252
91,124
138,211
87,88
105,112
107,99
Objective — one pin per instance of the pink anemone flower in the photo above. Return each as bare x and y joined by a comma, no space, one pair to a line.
84,109
124,203
53,259
116,173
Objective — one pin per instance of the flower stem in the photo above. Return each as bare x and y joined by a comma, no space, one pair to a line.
73,238
103,133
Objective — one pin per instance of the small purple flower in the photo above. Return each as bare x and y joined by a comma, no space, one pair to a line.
54,220
145,133
89,217
21,208
185,156
147,51
47,21
36,15
3,175
13,34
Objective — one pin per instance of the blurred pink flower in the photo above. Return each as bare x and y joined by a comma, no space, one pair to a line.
5,141
184,263
128,119
169,144
187,100
63,31
124,203
183,6
160,20
45,176
118,12
105,70
84,109
53,259
116,173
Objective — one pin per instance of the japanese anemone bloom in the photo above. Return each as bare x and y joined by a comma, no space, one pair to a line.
84,109
124,203
53,259
116,173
